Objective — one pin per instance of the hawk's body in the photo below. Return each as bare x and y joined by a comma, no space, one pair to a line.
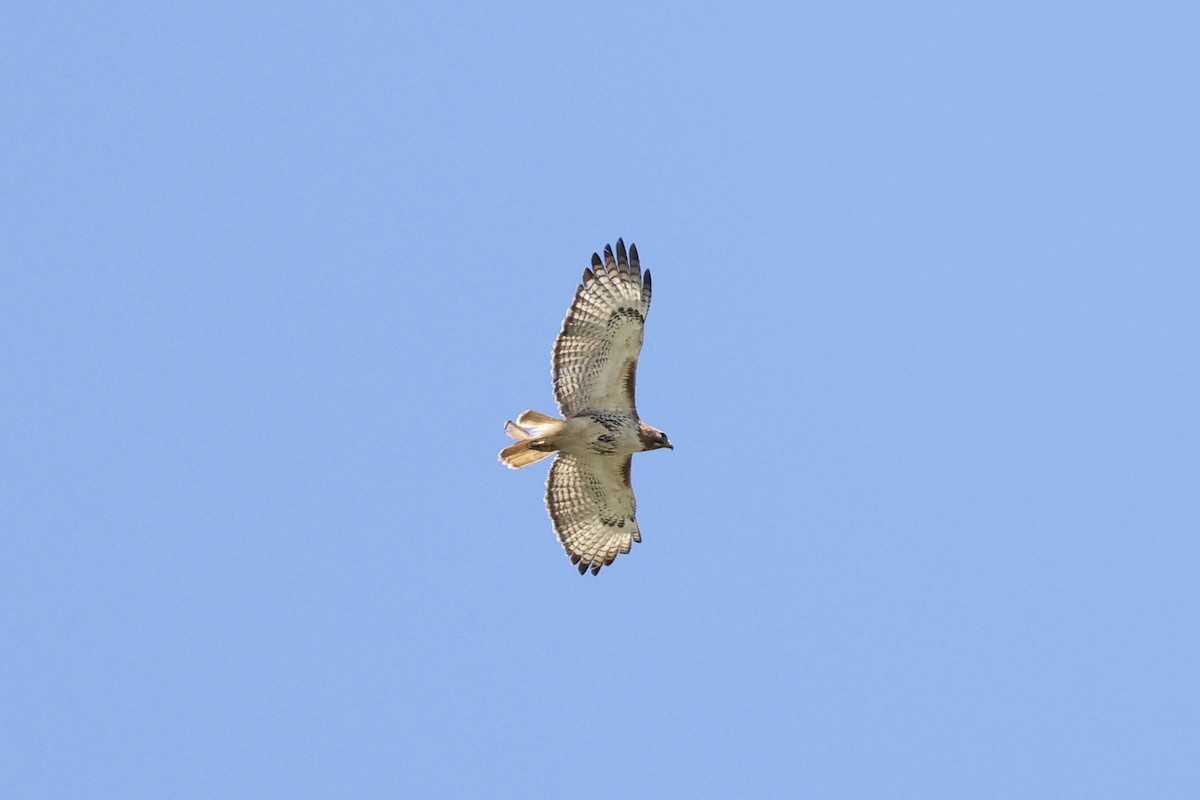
594,365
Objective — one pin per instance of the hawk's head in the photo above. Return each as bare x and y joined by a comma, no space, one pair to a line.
653,438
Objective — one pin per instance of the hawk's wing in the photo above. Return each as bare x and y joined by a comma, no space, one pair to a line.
595,356
591,503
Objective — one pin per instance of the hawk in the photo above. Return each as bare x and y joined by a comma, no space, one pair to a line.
594,366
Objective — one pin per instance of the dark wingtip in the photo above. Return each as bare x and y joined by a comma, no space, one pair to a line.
596,262
596,569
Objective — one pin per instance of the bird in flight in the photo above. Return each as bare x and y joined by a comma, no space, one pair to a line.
594,367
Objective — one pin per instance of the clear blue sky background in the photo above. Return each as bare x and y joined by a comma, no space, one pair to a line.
925,335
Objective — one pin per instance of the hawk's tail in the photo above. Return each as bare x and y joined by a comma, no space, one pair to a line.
530,431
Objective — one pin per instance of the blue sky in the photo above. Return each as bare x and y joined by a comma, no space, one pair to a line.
925,336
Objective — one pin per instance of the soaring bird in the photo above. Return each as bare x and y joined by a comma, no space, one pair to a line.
594,367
